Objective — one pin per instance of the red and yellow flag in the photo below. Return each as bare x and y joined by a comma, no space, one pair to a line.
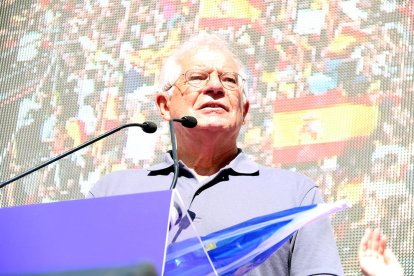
312,128
225,13
344,43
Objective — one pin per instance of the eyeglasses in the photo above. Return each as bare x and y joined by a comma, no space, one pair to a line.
200,78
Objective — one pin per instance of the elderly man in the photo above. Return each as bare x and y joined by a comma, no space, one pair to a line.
218,183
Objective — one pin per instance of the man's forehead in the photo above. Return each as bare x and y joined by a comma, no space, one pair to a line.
205,58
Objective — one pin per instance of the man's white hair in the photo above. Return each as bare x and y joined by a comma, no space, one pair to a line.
171,69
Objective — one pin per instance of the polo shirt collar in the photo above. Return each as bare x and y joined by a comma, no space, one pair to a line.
241,164
168,163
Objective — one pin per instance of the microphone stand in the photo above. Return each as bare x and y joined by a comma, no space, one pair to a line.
148,127
174,154
188,122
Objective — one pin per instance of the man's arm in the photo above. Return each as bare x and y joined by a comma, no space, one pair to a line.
314,250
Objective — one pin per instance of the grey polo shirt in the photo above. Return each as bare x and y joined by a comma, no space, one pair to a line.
240,191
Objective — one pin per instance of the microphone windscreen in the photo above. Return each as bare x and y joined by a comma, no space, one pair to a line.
189,121
149,127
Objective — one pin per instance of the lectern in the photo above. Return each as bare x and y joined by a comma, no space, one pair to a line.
113,233
88,235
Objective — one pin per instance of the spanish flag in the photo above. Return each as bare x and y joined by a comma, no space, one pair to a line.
76,130
150,58
315,127
344,43
216,14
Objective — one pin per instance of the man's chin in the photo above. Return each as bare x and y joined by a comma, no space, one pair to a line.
213,125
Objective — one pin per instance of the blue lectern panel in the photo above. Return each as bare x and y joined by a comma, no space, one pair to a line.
95,233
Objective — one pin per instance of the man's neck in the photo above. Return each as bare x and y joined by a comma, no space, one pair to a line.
206,160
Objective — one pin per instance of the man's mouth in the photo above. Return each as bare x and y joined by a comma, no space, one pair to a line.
213,106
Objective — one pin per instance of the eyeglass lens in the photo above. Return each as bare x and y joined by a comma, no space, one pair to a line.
199,78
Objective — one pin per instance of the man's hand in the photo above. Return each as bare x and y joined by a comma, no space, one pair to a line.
374,258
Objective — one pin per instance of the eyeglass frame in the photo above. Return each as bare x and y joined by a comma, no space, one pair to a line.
239,86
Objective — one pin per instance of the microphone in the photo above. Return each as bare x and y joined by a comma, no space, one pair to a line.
148,127
189,122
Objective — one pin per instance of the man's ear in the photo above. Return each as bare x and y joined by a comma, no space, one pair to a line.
163,104
246,106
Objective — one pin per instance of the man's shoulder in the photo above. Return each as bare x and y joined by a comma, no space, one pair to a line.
244,164
286,176
122,175
126,182
137,171
271,178
294,188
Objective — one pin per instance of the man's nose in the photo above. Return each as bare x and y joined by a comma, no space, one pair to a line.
214,84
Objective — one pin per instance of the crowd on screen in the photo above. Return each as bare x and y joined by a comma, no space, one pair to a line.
97,66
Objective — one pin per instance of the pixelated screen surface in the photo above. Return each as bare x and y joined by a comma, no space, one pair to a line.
330,86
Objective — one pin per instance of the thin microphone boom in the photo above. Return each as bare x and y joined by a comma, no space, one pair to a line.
148,127
189,122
